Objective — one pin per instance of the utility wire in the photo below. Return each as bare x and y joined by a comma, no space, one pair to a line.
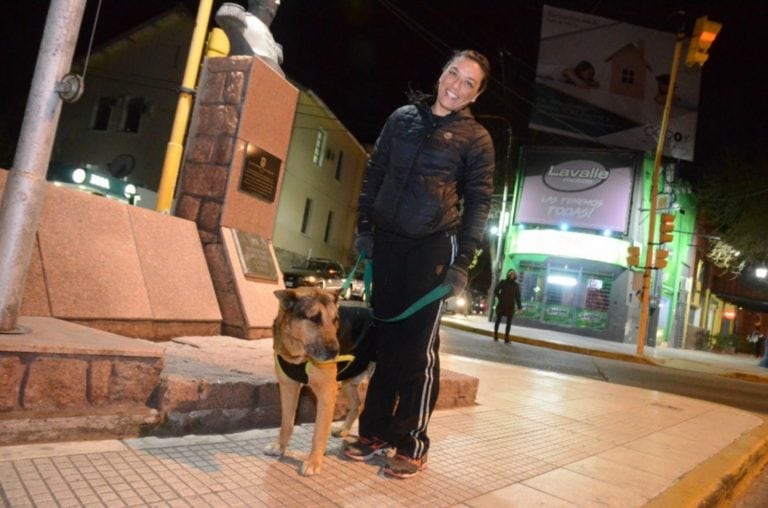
439,44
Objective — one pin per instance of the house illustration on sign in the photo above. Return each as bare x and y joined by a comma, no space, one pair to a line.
628,71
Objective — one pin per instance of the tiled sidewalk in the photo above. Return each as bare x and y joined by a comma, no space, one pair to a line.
534,439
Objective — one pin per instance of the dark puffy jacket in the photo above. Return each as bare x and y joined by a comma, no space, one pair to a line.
508,293
422,167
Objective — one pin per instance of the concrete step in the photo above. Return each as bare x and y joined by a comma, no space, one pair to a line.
63,381
221,384
60,380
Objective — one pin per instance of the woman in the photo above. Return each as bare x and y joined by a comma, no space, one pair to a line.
431,156
508,294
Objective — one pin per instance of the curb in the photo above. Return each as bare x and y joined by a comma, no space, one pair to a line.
722,477
611,355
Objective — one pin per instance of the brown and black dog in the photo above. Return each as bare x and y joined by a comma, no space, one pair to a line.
310,333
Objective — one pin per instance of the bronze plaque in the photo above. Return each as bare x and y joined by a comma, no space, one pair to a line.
255,256
260,173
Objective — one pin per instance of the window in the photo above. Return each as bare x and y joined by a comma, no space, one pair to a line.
102,113
627,76
328,227
307,214
319,153
337,176
571,297
133,110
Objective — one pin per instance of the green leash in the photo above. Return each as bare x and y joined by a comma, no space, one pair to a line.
435,294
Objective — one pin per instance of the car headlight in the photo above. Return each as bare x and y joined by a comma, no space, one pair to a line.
311,279
461,301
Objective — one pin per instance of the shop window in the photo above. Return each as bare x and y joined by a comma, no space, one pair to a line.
531,280
565,295
561,294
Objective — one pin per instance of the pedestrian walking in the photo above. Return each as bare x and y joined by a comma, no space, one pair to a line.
422,213
758,340
508,294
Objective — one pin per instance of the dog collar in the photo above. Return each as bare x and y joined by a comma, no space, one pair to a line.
300,371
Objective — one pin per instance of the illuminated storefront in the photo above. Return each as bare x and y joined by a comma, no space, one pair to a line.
572,225
576,212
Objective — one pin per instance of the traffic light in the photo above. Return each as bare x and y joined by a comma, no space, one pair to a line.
661,258
633,255
666,228
704,32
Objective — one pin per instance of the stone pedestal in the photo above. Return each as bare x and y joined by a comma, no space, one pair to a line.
230,182
66,381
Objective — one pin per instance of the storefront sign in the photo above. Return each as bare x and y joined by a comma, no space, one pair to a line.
577,189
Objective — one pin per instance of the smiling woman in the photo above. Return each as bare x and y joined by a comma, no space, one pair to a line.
410,220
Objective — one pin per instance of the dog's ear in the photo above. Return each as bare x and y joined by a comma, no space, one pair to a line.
336,293
287,298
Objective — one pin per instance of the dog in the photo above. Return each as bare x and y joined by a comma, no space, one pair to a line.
313,338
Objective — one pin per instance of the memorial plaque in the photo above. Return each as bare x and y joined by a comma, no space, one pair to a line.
260,173
255,256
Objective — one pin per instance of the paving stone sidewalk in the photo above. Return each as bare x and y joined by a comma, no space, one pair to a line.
533,439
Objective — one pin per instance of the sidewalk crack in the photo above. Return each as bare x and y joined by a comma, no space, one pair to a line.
600,371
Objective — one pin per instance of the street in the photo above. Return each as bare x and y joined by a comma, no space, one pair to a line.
730,392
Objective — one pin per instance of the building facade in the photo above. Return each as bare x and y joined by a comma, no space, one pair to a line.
575,214
317,211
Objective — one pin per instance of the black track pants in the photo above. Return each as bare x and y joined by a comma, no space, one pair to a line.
405,384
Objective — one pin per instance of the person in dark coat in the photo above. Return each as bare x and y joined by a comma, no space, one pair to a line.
508,294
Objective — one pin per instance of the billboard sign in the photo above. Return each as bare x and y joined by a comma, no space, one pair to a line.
605,81
584,189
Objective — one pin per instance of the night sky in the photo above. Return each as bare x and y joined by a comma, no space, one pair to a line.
361,57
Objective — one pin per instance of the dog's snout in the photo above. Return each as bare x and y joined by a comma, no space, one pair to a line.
325,351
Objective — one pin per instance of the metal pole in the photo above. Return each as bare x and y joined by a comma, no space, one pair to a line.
175,148
25,188
644,308
495,268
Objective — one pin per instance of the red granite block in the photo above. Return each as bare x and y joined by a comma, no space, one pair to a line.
56,383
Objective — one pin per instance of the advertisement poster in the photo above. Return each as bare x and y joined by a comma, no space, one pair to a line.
605,81
582,189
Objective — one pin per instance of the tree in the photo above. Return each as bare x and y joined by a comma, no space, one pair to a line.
733,199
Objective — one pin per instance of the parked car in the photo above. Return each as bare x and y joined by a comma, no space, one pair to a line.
356,290
320,272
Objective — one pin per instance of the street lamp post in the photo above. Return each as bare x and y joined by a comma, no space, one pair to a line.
496,261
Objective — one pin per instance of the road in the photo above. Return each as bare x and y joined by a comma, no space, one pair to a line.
730,392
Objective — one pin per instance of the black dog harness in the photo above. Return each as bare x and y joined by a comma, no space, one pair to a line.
357,344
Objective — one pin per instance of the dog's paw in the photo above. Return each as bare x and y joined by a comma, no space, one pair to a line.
311,467
274,449
339,431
